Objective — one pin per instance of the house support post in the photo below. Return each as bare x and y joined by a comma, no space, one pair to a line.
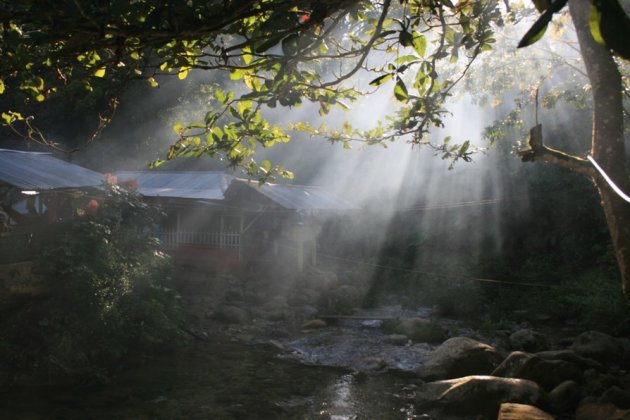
314,253
300,256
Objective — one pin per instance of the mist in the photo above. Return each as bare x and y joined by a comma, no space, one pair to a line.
407,193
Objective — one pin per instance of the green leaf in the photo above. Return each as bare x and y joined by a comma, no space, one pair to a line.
100,72
464,148
420,44
178,128
405,38
540,26
247,54
532,36
183,72
594,21
237,74
266,165
405,59
219,95
400,91
291,45
1,86
381,79
541,5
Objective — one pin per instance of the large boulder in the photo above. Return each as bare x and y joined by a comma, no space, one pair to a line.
528,340
421,330
597,411
546,373
570,356
512,411
565,397
617,396
460,356
599,346
476,396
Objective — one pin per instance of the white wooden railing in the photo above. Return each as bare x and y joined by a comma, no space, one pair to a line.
172,239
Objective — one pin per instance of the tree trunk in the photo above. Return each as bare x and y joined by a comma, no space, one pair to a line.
608,147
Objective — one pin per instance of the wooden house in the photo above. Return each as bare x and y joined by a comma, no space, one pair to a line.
216,220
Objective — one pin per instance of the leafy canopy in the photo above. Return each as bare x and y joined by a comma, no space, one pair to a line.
282,53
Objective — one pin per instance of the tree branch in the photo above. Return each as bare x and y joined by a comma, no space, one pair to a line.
537,151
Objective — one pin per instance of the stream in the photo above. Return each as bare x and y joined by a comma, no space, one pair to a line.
222,379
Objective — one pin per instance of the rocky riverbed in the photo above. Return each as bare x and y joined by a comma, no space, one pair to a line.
261,351
451,370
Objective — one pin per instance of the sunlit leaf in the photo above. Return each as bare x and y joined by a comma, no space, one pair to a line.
400,91
381,79
183,72
405,59
247,54
540,26
100,72
237,74
532,36
594,21
420,44
1,86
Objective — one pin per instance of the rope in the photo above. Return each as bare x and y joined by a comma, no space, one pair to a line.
610,182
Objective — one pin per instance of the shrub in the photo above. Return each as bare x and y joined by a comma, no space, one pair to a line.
109,301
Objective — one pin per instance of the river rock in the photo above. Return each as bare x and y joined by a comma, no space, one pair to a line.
273,310
476,396
232,315
565,397
308,311
570,356
421,330
597,382
373,364
314,324
396,339
512,411
599,346
528,340
617,396
546,373
460,356
599,411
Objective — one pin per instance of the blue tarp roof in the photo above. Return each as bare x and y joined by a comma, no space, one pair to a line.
200,185
301,197
42,171
212,185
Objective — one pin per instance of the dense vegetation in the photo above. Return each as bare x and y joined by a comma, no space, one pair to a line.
284,54
106,303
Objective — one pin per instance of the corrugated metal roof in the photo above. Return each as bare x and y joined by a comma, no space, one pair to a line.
42,171
200,185
300,197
